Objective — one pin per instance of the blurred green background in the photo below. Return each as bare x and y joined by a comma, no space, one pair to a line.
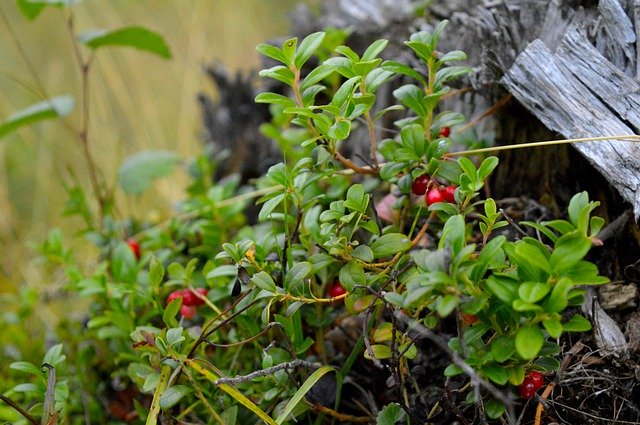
138,101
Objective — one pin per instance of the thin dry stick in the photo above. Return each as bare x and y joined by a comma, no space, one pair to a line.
267,371
20,410
489,111
343,418
625,137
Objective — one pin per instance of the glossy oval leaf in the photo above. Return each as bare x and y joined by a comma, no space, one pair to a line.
390,244
171,396
139,170
139,38
47,109
529,340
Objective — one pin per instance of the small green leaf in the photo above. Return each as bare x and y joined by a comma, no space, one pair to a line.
363,252
452,370
577,323
529,340
533,292
26,367
138,171
137,37
390,244
269,206
455,55
494,408
170,311
171,396
569,249
553,326
263,280
30,9
352,274
47,109
307,47
380,352
413,98
503,287
272,52
275,98
502,348
339,130
446,304
496,372
156,273
296,275
453,234
558,300
390,414
54,355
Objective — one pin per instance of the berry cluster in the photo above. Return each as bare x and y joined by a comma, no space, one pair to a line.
190,300
437,193
532,382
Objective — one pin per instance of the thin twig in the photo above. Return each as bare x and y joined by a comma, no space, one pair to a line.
365,335
19,409
267,371
513,223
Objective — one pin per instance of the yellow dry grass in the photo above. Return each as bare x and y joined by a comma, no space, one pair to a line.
138,101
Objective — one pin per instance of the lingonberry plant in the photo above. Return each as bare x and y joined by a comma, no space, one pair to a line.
211,319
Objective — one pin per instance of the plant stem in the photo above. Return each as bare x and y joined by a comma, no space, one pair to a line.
83,135
20,410
627,137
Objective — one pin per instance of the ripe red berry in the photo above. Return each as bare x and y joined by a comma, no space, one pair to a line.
445,131
336,289
135,248
420,184
468,319
433,196
197,300
188,311
189,298
449,194
172,296
527,389
537,378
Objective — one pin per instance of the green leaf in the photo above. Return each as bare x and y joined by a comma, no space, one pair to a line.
26,367
494,408
307,47
455,55
400,68
275,98
280,73
139,38
577,203
497,373
569,249
54,355
363,252
374,49
263,280
316,75
502,348
269,206
352,274
553,327
390,414
170,311
503,287
29,9
558,300
47,109
156,273
345,92
529,340
577,323
413,98
446,304
272,52
138,171
390,244
171,396
453,234
533,292
339,130
297,397
380,352
296,275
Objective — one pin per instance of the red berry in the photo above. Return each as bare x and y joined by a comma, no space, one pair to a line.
189,298
135,248
336,289
188,311
445,131
433,196
420,184
449,194
172,296
537,378
468,319
202,292
527,389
